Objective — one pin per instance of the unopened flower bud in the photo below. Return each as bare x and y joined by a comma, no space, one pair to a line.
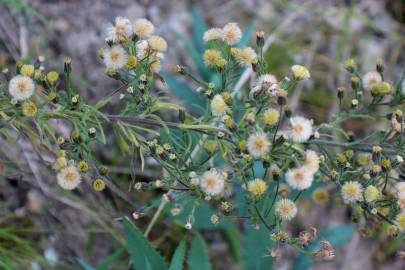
168,197
227,97
98,184
350,65
215,219
376,153
300,73
92,132
260,39
76,136
354,103
188,225
379,65
83,166
355,82
176,210
67,65
287,111
210,146
180,69
341,92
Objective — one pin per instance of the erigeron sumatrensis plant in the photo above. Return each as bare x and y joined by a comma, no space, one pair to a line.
247,141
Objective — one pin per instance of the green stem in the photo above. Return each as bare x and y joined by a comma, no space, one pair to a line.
274,199
262,219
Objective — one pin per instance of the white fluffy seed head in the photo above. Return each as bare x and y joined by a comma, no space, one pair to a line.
115,57
300,73
121,31
69,177
231,33
371,194
286,209
258,144
312,160
300,178
301,129
352,191
212,182
212,34
267,80
400,190
246,56
143,28
142,48
157,43
218,106
21,87
371,79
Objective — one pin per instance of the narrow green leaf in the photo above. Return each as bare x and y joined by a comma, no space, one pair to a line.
198,257
190,98
178,257
102,103
197,56
232,236
85,265
199,27
143,254
110,259
247,35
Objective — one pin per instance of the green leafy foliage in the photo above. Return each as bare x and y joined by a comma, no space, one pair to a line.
104,265
178,257
199,27
256,243
24,6
198,257
233,237
203,213
143,254
186,94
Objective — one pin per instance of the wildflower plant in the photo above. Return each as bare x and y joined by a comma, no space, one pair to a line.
248,155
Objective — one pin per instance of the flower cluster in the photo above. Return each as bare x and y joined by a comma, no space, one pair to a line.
248,144
132,43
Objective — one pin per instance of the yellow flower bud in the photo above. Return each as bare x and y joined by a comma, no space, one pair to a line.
210,146
83,166
300,73
350,65
98,184
52,77
29,109
132,62
271,117
371,193
221,63
257,188
320,196
27,70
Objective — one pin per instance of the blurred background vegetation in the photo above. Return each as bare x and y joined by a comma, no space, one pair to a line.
42,227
